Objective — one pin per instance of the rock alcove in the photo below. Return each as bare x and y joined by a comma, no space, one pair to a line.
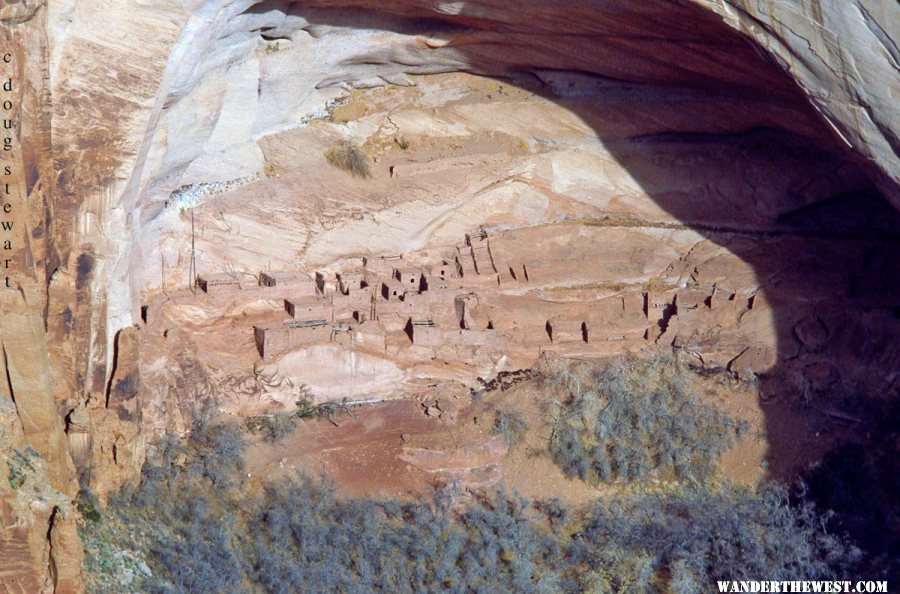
653,146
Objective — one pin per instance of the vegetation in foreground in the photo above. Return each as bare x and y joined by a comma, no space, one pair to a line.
634,420
195,527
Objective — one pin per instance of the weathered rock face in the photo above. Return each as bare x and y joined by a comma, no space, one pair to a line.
39,546
613,149
39,549
845,58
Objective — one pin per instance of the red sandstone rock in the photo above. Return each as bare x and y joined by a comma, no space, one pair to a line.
577,227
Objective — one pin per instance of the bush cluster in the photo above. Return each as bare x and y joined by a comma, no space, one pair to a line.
20,466
697,536
634,420
276,427
202,531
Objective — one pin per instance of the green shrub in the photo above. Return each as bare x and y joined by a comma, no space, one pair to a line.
306,409
16,475
20,466
86,503
634,420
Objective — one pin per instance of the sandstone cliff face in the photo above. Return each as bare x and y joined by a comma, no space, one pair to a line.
38,543
158,141
39,546
845,57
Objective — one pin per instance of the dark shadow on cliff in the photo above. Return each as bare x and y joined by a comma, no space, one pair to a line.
672,92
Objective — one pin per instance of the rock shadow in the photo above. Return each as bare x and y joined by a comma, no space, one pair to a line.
724,142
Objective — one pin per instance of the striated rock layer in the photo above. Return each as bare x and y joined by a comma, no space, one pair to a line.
611,149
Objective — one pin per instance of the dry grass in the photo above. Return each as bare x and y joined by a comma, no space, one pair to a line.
349,158
654,284
348,112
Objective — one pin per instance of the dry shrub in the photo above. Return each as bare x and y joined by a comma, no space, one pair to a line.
273,427
637,419
349,158
202,531
510,425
